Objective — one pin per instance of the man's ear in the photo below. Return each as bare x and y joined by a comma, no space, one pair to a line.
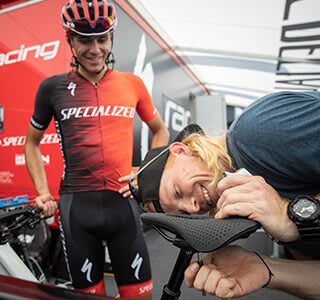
177,148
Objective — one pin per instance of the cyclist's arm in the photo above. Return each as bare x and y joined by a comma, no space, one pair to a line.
36,170
233,272
159,132
299,278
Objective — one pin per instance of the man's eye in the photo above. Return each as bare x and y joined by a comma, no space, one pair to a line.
84,41
177,194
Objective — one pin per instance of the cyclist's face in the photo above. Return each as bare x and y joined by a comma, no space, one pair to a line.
92,51
184,186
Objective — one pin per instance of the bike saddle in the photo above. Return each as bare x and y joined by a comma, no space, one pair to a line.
200,233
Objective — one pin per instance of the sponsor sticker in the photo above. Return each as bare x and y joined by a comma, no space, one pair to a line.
6,177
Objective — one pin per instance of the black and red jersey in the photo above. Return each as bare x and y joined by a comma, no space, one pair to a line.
94,125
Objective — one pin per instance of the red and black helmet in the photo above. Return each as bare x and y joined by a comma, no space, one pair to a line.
88,17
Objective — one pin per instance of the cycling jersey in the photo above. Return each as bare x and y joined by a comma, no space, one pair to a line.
106,217
94,125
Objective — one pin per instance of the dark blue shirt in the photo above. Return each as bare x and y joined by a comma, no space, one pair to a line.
278,138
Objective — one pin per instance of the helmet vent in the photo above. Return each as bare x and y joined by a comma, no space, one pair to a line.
70,12
101,10
79,8
110,10
91,9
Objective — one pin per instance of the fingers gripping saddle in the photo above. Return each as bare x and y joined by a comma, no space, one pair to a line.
195,233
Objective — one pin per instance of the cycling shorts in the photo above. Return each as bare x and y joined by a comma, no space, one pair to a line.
87,221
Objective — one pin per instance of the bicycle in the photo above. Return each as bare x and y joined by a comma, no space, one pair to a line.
14,257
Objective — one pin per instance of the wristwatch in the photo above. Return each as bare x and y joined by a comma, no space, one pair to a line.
304,211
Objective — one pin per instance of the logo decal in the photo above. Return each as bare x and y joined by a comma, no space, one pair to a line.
71,87
136,264
95,111
86,268
6,177
46,51
20,159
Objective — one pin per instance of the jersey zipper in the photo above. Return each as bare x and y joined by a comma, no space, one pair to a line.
102,150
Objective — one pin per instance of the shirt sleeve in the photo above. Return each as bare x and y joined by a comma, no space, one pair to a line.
278,138
43,112
145,108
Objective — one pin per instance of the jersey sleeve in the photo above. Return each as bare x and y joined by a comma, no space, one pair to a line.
145,108
43,112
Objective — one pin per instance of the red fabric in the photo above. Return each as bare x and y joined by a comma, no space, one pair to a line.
99,288
136,290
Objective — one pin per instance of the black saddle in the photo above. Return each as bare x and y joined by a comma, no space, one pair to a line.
200,233
195,233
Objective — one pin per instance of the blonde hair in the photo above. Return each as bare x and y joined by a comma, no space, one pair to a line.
211,155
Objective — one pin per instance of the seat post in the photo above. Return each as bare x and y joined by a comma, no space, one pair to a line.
171,290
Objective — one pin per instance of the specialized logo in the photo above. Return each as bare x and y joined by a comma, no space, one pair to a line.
8,141
72,87
136,264
86,268
95,111
46,51
144,70
146,289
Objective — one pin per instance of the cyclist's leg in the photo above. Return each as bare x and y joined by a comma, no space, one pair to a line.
128,251
83,249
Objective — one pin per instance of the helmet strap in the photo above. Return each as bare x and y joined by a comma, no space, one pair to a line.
74,62
110,58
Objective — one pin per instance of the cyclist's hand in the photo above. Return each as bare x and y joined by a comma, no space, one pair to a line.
47,204
253,197
125,191
227,273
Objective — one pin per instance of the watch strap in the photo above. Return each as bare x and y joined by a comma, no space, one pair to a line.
310,234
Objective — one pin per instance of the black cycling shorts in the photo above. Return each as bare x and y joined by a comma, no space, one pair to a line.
89,218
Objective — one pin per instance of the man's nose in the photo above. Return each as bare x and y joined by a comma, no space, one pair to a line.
192,206
94,46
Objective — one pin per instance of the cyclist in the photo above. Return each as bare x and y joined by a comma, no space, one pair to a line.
93,107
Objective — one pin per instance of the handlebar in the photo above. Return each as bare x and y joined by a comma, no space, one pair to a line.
23,216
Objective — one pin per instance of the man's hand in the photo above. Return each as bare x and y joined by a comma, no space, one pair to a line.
47,204
227,273
252,197
125,191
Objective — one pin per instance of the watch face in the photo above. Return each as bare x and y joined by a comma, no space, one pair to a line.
304,208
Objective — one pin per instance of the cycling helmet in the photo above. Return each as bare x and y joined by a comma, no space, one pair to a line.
88,17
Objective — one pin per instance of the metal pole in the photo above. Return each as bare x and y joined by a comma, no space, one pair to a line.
171,290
